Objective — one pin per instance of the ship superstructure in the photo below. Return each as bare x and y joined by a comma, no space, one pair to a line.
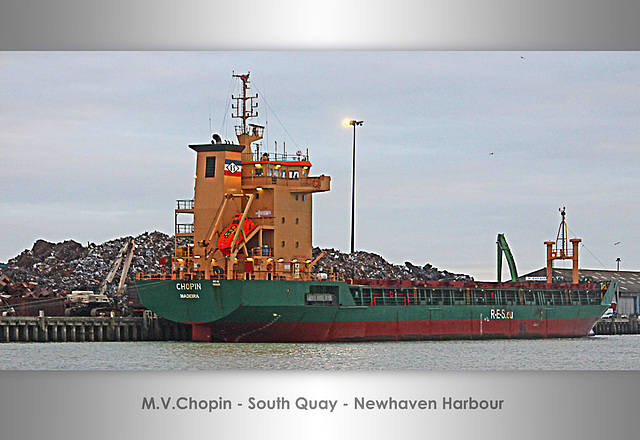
251,211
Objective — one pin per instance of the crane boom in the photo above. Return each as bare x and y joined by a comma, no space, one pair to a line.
127,248
125,268
503,247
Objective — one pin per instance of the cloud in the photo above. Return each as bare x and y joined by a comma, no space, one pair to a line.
95,144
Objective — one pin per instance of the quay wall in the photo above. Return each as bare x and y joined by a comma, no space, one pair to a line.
152,328
90,329
617,326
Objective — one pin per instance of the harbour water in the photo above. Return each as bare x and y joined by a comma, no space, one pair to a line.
618,352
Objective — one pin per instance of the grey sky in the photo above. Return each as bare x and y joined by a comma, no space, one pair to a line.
455,148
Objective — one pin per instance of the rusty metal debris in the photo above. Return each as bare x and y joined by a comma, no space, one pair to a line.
54,270
367,265
48,272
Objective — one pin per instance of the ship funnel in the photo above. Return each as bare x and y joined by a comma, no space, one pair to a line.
216,139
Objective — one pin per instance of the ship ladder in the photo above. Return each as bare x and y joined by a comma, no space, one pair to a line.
468,297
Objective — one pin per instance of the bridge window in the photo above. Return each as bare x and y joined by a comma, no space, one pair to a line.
210,167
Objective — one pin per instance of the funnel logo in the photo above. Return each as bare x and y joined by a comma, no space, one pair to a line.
232,167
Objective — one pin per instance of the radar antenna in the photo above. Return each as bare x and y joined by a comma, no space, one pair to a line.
245,109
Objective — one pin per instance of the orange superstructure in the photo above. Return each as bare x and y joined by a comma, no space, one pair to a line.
270,194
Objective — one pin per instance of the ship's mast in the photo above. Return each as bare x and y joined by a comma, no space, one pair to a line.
562,247
562,251
244,110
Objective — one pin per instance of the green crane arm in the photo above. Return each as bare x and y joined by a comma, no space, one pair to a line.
504,247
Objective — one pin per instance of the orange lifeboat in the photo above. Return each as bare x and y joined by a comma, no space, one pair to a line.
224,242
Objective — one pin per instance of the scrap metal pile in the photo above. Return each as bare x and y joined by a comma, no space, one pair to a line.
67,266
53,270
367,265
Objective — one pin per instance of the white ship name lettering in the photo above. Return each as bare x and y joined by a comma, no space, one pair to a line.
188,286
501,314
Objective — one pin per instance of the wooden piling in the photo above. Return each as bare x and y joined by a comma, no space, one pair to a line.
90,329
617,326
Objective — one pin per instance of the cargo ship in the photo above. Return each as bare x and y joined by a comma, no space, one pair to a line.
242,270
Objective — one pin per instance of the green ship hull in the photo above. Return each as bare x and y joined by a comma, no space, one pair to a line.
313,311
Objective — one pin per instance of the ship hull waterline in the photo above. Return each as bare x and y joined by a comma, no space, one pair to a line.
300,332
278,311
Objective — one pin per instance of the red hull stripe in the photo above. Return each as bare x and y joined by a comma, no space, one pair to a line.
390,330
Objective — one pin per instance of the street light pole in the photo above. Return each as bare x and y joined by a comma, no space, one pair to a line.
617,296
353,183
